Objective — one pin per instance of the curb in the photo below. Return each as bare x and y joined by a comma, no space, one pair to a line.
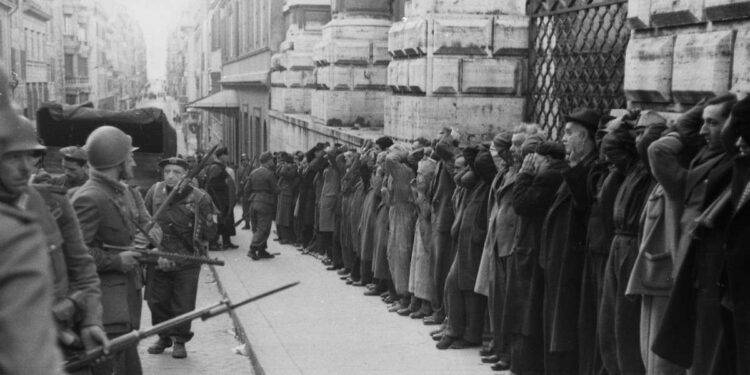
239,329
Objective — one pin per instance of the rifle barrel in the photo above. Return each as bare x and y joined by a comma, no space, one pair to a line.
189,258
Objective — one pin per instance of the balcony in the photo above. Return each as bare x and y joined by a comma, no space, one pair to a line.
72,45
77,84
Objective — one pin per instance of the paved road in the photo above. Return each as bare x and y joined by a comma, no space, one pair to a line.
209,352
326,327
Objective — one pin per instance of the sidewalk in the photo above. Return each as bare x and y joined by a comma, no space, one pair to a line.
324,326
209,352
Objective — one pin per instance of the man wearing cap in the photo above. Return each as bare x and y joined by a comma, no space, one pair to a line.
563,242
26,285
107,210
217,186
188,224
261,190
75,164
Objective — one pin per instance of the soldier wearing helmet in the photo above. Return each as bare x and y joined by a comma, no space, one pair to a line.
108,211
25,281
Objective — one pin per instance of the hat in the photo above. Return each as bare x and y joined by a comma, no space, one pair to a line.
222,151
586,117
503,140
266,157
554,150
531,143
74,152
174,160
384,142
243,156
285,157
648,118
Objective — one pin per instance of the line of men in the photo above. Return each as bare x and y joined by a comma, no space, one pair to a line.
70,275
620,250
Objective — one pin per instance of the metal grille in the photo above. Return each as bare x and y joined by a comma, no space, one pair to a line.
577,58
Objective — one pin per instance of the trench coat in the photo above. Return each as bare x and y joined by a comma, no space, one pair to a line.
421,276
356,207
441,218
402,218
472,231
330,196
380,265
367,227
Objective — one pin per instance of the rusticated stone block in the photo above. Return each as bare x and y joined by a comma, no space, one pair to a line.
321,54
341,77
648,69
346,106
323,77
417,8
639,14
445,75
293,60
415,38
350,52
741,62
719,10
396,40
288,100
702,65
491,76
461,36
393,70
370,7
418,75
357,28
297,78
511,35
380,54
369,78
676,12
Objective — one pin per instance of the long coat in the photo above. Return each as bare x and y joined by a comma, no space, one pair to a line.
401,220
218,187
421,275
369,216
691,333
287,182
380,265
330,195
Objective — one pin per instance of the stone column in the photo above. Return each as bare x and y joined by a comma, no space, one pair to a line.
681,51
457,63
292,69
351,63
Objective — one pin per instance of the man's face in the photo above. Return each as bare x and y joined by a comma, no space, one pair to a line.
713,122
459,165
74,171
127,168
574,137
244,161
15,170
173,174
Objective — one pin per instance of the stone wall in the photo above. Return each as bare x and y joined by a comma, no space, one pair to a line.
681,51
457,63
293,132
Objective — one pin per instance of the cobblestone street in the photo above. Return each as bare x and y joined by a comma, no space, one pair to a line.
209,352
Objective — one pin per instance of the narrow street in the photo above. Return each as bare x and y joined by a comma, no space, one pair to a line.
324,326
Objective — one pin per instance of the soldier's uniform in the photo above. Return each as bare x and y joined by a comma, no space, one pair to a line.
261,190
187,225
26,325
77,294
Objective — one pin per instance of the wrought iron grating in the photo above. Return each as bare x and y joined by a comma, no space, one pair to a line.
577,60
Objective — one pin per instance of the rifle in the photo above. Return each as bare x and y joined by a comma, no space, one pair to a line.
120,343
245,214
170,256
153,255
178,187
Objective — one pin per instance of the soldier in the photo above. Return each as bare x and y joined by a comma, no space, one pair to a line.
261,190
188,224
77,306
28,331
242,173
218,183
75,164
108,210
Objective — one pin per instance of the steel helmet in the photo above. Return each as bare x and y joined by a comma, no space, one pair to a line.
108,147
23,137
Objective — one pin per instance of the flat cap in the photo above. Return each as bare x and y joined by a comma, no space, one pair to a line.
75,153
174,161
586,117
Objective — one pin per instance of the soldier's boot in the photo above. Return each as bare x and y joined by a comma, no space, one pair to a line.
179,350
263,254
159,346
253,254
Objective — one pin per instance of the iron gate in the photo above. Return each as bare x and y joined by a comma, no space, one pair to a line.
577,58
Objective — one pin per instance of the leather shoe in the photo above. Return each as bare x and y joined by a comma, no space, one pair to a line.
332,268
394,307
358,283
265,255
349,281
343,272
231,246
463,344
501,366
417,315
445,342
372,293
179,350
490,359
404,312
437,332
159,346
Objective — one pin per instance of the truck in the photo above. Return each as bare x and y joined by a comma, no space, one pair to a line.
60,125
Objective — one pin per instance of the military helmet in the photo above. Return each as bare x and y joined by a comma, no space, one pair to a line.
23,137
108,147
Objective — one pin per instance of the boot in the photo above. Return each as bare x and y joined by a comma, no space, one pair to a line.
263,254
179,350
159,346
253,254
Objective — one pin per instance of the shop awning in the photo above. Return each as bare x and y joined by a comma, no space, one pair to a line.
221,99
